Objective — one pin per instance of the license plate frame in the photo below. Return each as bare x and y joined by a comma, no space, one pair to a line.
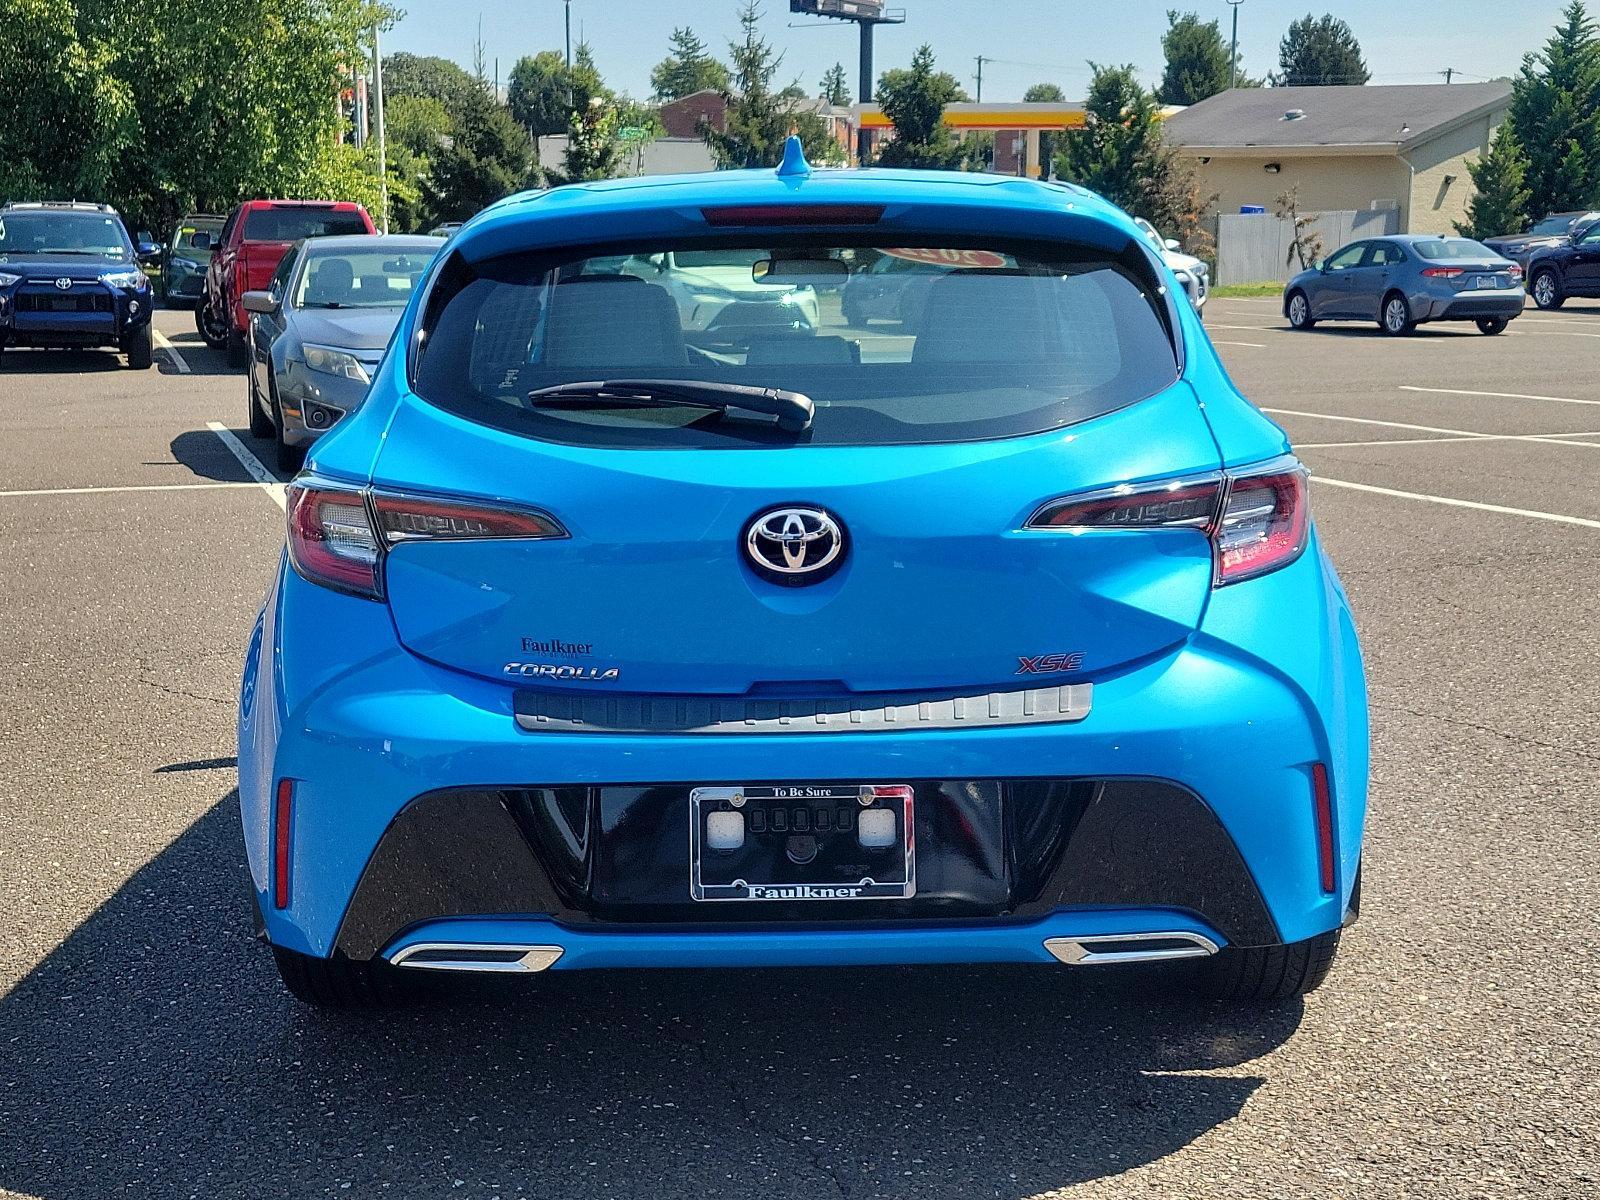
1484,282
762,869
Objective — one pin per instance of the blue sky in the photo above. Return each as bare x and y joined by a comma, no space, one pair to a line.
1405,41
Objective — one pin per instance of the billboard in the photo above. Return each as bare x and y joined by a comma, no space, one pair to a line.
850,10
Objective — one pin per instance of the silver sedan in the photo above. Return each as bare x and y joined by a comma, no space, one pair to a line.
320,329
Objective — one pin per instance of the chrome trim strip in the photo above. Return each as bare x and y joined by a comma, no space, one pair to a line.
1081,952
532,958
571,712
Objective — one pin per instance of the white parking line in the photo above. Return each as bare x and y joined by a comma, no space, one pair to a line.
268,481
1467,434
1252,345
1406,387
131,487
1219,325
1560,518
1554,333
1557,439
177,359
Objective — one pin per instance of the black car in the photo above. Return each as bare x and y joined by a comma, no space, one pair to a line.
1555,230
1569,268
70,276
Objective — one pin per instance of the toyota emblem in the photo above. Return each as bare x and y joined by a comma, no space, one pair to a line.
795,545
63,283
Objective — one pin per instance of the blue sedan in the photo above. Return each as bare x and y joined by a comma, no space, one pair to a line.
1405,280
601,642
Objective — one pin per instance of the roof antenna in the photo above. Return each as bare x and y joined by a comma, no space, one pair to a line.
794,159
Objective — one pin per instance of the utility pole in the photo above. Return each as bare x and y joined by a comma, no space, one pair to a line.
1233,64
981,61
377,105
569,35
1449,74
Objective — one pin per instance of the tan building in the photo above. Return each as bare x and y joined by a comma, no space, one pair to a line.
1404,147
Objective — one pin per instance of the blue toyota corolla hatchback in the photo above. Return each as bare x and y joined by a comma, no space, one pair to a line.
636,625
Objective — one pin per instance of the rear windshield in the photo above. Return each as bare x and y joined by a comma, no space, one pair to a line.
893,344
1556,224
292,224
1452,248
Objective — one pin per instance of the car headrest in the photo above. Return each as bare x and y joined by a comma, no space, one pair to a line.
593,324
985,316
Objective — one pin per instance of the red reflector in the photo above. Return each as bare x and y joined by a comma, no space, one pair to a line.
1441,272
1322,803
793,214
282,826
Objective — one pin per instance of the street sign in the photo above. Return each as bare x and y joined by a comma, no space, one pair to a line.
632,133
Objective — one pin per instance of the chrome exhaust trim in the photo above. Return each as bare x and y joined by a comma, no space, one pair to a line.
475,956
1128,948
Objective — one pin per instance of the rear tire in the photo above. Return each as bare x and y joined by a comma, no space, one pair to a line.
236,350
1492,325
1269,975
140,348
342,982
1545,289
1298,310
1394,318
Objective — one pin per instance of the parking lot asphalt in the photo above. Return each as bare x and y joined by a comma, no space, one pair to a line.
146,1048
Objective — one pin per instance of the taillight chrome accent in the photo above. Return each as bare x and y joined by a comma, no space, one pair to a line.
1256,518
339,535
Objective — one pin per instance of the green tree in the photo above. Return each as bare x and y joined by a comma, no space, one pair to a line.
1120,153
759,119
489,156
914,101
1044,93
417,123
429,76
1319,51
1500,203
689,68
586,81
1555,111
1197,63
539,93
592,151
835,88
68,117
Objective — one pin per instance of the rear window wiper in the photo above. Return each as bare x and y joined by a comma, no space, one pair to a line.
793,410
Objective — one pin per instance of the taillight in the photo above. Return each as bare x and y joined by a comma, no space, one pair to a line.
1441,272
1179,503
331,541
338,535
1257,519
1264,523
1514,270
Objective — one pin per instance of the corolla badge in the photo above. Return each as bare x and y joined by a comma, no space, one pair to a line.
795,544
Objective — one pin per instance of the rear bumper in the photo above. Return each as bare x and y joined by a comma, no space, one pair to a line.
1230,722
1470,307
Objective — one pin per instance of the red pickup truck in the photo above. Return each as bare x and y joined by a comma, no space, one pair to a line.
248,250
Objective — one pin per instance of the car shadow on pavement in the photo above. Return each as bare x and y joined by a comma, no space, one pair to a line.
24,360
155,1053
208,456
198,357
